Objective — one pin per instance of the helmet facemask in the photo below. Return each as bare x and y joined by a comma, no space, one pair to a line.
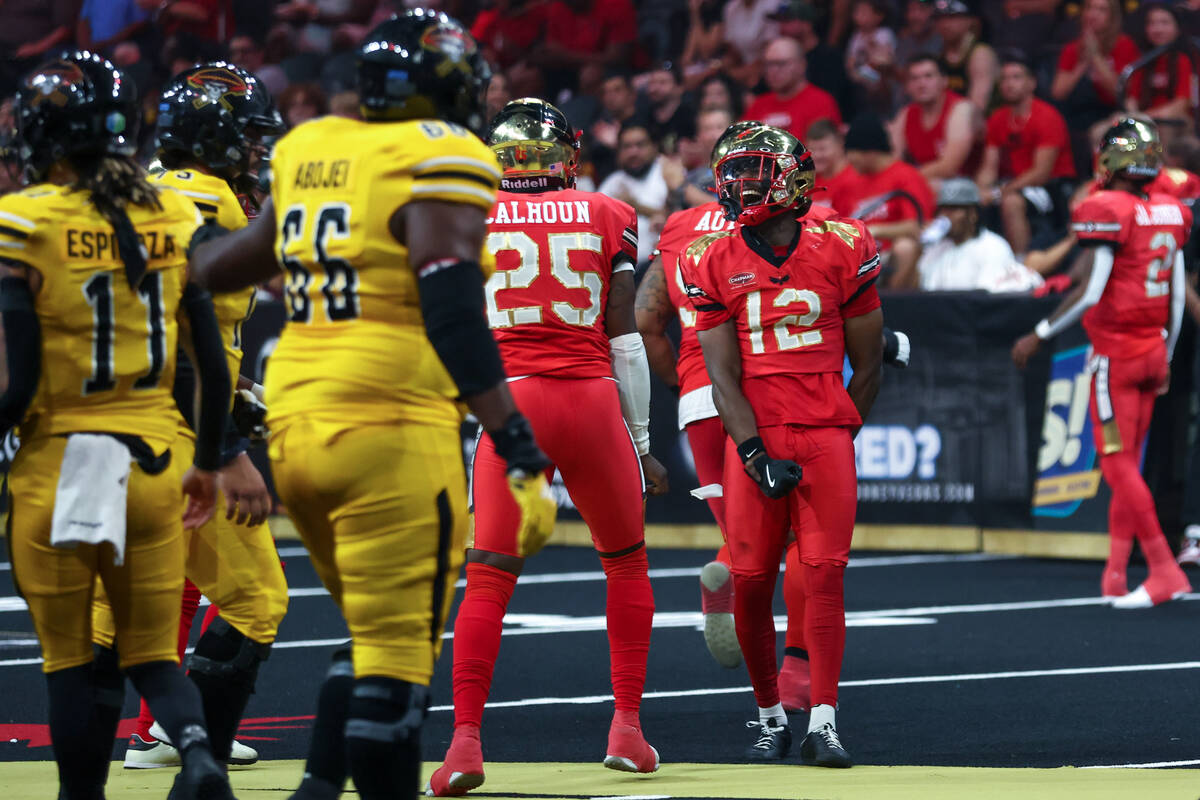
754,186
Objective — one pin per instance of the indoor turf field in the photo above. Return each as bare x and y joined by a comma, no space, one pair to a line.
967,675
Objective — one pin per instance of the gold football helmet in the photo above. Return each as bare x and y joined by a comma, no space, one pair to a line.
727,138
535,144
764,172
1130,149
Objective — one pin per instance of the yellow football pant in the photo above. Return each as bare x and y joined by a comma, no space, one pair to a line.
382,511
59,584
237,568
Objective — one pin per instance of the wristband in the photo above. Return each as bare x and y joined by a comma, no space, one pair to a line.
751,449
1042,330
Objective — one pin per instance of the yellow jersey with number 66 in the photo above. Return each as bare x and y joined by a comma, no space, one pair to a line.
108,349
354,349
216,202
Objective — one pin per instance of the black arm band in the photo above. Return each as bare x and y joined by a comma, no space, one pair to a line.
213,371
751,449
456,323
23,347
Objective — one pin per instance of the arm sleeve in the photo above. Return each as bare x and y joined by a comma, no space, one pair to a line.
1101,270
456,323
23,349
213,371
1178,291
631,368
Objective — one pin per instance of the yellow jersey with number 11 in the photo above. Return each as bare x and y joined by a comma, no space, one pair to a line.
354,349
108,349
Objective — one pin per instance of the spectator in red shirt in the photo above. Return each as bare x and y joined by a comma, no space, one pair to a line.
1099,54
211,20
1027,146
892,197
792,102
508,29
1166,87
835,176
936,131
580,32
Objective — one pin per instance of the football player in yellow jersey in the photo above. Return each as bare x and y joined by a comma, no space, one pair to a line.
92,275
210,126
379,225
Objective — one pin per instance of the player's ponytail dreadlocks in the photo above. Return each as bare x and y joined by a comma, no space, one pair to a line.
114,182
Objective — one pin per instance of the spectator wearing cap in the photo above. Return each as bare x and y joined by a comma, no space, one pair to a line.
1165,88
890,196
971,65
967,256
835,177
937,131
1027,147
826,67
792,102
639,182
918,35
671,117
1085,85
871,55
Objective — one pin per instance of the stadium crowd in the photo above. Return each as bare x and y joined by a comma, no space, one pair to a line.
894,97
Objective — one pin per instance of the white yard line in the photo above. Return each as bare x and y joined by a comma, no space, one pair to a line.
1151,765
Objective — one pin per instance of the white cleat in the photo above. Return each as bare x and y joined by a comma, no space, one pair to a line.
1189,556
1140,598
141,754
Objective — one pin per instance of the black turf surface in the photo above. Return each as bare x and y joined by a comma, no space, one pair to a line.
1127,717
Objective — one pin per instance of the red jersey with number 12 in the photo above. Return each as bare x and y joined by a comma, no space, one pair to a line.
789,312
681,229
1144,233
556,253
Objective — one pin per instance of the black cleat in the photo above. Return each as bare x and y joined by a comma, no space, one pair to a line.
772,742
823,748
201,778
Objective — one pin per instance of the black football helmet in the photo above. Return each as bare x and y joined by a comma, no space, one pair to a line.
77,104
217,115
422,65
535,144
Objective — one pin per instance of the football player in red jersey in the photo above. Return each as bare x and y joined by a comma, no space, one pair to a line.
561,307
781,302
1132,306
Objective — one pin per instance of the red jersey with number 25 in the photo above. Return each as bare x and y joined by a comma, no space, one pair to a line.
681,229
788,311
1144,234
556,253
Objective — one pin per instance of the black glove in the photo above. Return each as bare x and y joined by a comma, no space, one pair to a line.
776,476
205,233
249,416
896,348
514,443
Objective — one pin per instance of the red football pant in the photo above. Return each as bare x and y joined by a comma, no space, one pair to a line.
1123,395
707,439
578,424
821,512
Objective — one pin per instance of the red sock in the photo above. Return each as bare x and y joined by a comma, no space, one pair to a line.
477,631
212,613
755,626
825,629
630,610
723,555
793,597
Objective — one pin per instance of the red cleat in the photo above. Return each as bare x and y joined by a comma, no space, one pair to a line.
628,750
1113,583
795,692
462,769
